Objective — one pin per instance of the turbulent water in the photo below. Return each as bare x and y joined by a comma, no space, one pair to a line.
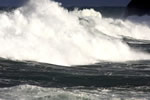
50,53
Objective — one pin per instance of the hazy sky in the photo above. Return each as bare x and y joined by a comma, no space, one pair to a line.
74,2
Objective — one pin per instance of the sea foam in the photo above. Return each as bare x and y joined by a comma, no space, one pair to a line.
43,31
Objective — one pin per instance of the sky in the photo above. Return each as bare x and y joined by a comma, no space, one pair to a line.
73,2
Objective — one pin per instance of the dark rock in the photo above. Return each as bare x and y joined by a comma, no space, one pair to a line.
138,7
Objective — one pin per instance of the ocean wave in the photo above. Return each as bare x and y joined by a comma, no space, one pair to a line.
44,31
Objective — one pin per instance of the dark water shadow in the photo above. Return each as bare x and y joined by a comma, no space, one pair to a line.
104,75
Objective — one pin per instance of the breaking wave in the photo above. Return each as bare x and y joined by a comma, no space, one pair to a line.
44,31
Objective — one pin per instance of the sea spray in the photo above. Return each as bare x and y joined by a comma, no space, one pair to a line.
44,31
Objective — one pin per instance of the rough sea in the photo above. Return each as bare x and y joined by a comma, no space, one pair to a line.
48,52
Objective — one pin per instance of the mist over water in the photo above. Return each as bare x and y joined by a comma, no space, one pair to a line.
44,31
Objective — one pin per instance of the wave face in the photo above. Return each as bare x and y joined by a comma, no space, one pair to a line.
44,31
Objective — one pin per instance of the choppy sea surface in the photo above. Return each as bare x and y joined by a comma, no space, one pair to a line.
48,52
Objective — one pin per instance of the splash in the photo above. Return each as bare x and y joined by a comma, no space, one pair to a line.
44,31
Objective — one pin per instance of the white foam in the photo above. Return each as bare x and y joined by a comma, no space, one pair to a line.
29,92
44,31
